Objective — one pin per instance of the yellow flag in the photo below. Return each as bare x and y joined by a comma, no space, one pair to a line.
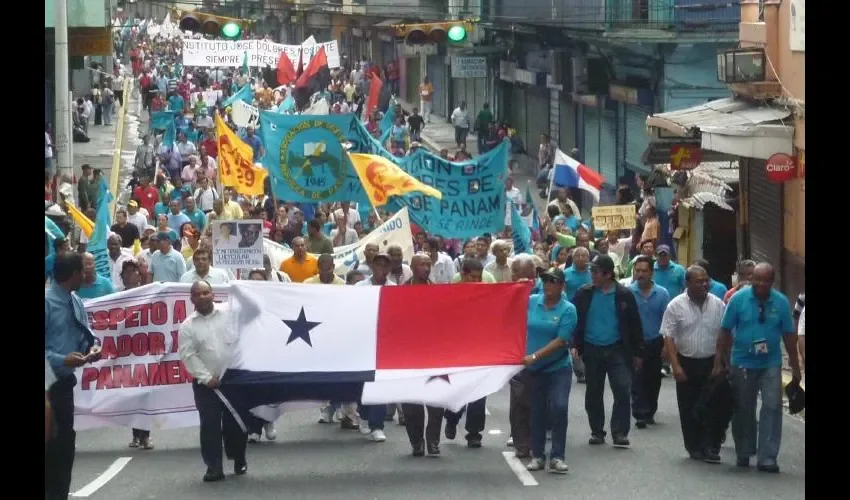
381,178
137,246
236,163
85,224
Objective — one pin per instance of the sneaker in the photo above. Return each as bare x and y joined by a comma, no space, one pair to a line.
558,466
146,444
535,464
433,450
641,424
418,449
134,443
364,428
622,442
378,436
326,415
711,456
696,455
596,439
254,438
510,442
473,442
270,431
772,468
348,424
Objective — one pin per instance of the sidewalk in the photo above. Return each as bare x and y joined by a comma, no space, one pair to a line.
440,134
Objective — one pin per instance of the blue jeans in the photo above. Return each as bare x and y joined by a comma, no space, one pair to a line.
375,415
764,437
550,395
611,361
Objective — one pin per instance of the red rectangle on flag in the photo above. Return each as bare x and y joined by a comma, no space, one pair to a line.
458,325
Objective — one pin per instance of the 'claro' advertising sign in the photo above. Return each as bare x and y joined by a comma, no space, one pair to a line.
781,168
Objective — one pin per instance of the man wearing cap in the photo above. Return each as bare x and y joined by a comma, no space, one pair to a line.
372,416
136,217
668,274
609,338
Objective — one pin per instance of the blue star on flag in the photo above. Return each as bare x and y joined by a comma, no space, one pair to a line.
300,328
439,377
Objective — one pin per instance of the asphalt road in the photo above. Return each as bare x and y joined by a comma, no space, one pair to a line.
313,461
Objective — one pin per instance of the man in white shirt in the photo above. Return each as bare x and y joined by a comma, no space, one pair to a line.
460,121
690,326
352,217
204,339
442,266
202,271
513,196
135,217
117,256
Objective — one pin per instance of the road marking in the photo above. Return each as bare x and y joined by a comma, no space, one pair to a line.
487,411
519,469
494,432
113,470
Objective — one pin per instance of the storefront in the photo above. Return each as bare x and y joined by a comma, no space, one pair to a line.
636,107
438,74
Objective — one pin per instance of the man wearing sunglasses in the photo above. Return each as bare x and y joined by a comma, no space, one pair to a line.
609,338
756,318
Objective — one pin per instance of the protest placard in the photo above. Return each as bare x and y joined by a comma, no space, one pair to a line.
238,244
613,217
244,115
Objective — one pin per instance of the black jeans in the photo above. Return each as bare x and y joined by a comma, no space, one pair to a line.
414,422
59,451
611,361
520,412
217,424
698,436
475,418
646,382
141,434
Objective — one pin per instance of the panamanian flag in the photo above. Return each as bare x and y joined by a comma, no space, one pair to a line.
441,345
569,172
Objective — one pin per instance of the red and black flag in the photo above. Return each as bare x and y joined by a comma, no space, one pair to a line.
285,71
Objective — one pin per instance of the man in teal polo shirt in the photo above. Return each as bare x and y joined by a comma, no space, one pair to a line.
715,287
668,274
756,318
578,274
652,301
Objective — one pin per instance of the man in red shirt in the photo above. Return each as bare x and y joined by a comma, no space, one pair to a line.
145,88
146,195
210,145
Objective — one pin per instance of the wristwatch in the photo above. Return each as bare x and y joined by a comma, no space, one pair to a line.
534,357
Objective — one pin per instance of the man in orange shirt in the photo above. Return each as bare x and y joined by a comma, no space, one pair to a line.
426,94
301,265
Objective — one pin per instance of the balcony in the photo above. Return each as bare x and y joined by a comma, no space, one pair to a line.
673,16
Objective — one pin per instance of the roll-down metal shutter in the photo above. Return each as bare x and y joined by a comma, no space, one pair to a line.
518,114
414,78
437,73
537,116
764,217
568,125
637,139
591,137
608,148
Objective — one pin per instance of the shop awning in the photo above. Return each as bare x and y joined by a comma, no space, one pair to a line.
732,126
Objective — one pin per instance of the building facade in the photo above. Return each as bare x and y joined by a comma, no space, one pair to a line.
762,127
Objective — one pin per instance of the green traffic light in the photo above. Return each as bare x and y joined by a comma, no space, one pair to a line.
457,33
231,30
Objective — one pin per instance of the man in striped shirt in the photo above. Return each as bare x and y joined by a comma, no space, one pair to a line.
690,327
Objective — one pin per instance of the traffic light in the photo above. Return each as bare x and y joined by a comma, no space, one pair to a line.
210,24
418,34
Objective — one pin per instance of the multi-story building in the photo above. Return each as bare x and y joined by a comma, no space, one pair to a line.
762,127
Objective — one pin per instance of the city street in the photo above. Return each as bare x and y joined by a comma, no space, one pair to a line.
314,461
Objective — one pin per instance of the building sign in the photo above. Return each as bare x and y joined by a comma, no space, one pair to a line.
428,49
797,28
685,157
613,217
469,67
781,168
525,76
630,95
590,100
507,70
89,42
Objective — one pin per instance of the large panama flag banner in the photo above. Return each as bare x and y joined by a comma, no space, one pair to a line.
293,343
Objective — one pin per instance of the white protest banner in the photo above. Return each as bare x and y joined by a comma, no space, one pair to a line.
395,231
261,53
140,381
245,115
238,244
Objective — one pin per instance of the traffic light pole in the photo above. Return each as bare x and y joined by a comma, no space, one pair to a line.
62,126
